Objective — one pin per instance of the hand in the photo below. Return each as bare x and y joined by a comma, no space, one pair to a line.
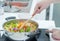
41,5
55,34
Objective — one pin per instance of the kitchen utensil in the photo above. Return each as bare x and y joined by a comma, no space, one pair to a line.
22,35
25,22
29,19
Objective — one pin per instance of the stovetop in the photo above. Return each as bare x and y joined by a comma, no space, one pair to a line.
42,37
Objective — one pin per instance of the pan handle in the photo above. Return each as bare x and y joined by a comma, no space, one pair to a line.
8,34
10,18
1,32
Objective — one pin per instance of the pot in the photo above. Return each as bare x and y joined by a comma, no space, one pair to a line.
21,35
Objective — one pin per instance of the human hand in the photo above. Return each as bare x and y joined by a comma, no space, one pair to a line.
41,5
55,34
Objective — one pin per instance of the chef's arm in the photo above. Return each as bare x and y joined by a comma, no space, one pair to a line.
43,5
55,34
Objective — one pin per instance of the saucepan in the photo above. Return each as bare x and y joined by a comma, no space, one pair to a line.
12,25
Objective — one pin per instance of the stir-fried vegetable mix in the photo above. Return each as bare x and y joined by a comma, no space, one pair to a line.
14,25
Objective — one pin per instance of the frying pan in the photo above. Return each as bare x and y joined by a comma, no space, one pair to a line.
21,35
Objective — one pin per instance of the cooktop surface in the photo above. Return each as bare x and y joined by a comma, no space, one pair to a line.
43,36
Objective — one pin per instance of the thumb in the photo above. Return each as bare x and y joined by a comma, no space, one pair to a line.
49,31
36,11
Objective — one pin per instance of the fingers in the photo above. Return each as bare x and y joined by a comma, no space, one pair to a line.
52,31
39,10
49,31
34,13
56,36
36,9
42,5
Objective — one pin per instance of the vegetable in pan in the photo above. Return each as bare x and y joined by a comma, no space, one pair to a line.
14,25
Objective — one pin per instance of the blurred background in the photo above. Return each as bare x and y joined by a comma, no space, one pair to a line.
10,8
13,6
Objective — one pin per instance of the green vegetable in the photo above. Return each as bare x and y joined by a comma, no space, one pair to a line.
34,27
28,29
12,30
6,28
14,24
7,25
22,30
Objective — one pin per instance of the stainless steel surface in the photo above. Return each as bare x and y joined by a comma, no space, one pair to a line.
19,36
42,37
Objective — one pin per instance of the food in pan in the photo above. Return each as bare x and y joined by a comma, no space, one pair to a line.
14,25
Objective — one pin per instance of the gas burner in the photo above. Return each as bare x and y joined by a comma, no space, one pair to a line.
42,37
